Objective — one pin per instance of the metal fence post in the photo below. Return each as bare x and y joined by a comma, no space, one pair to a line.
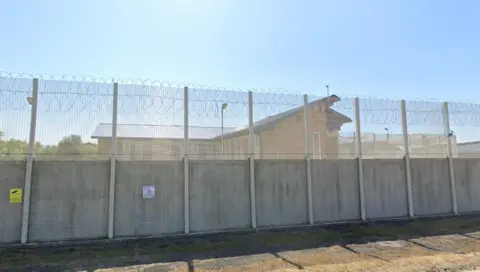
186,177
358,141
307,158
29,166
251,144
113,163
453,187
408,170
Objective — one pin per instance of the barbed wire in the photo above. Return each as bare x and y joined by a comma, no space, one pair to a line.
153,82
79,105
66,93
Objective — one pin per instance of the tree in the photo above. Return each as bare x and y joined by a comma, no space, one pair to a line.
72,147
69,148
13,149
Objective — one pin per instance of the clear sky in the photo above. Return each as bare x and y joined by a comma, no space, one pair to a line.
396,48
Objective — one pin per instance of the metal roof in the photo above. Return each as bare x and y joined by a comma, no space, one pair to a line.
176,132
469,147
270,121
158,131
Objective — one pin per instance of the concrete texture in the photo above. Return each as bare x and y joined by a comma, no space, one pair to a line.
281,193
163,214
12,176
69,200
219,195
431,186
335,189
467,178
385,188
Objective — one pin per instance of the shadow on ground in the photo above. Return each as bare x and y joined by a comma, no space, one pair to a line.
98,255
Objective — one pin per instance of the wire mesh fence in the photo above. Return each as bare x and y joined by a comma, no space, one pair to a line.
335,131
278,125
465,129
14,116
149,123
67,114
218,124
382,134
74,121
426,128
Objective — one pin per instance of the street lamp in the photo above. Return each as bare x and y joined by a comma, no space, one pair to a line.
30,100
224,107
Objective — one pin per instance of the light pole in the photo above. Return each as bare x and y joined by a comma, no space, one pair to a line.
224,107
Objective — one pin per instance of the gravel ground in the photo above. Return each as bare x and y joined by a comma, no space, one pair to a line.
449,244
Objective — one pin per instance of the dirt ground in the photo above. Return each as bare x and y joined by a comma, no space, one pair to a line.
449,244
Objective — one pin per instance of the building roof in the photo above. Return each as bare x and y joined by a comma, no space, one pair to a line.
469,143
176,132
469,147
270,121
158,131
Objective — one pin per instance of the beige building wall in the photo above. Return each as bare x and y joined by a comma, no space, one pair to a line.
284,141
159,149
238,148
287,139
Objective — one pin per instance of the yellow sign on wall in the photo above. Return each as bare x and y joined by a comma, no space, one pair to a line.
15,195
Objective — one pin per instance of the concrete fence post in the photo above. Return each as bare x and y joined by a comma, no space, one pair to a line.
406,147
186,196
29,167
448,134
251,144
358,145
113,164
308,160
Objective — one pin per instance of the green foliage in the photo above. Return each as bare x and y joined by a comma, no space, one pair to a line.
13,149
69,148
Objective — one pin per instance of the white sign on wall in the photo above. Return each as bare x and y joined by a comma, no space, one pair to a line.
149,191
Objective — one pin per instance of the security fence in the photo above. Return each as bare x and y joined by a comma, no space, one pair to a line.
107,157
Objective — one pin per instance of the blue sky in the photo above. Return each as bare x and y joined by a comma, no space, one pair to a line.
398,48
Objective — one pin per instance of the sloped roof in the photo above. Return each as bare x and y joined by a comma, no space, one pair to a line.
157,131
270,121
469,147
176,132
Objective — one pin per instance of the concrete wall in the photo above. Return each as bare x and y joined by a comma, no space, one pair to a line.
431,186
12,176
385,188
281,193
163,214
335,190
69,200
467,178
219,195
